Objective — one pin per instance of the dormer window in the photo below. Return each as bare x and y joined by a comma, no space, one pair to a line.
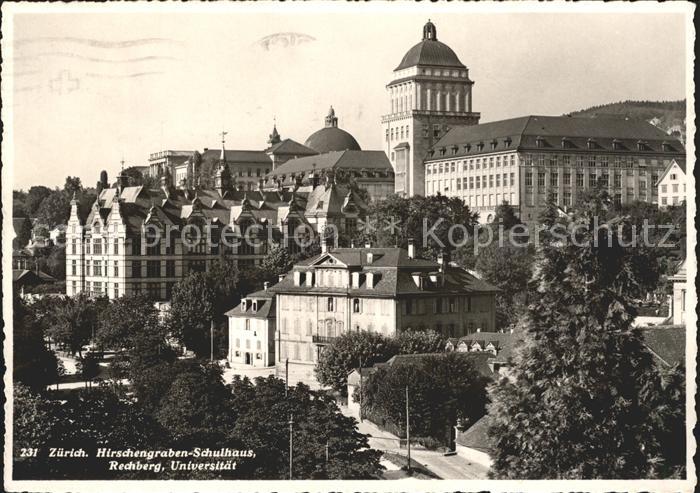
617,145
508,141
255,306
539,141
666,147
565,143
494,144
592,144
443,151
480,146
468,147
641,145
454,150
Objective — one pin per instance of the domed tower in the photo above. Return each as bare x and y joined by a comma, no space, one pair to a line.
331,138
430,92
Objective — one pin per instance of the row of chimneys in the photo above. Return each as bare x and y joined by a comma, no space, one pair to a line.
326,242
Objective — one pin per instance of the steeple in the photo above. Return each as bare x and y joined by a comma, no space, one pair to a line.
274,136
222,158
331,119
429,31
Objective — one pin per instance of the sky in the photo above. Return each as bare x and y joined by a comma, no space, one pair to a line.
91,89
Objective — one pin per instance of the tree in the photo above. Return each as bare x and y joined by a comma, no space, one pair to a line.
75,323
436,215
262,424
33,364
124,319
444,389
196,409
349,351
420,341
72,186
200,299
35,196
505,216
89,368
508,267
54,209
582,400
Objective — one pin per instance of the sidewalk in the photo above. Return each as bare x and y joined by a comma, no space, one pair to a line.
447,467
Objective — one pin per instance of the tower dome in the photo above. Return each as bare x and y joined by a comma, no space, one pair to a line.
331,138
430,51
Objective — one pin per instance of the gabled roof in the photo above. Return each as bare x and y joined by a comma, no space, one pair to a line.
498,339
291,147
667,343
237,156
524,133
476,436
680,162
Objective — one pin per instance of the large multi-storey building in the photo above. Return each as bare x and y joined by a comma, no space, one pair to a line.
430,92
383,290
115,250
339,157
519,160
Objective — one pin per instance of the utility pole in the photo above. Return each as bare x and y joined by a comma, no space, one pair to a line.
291,424
408,432
211,337
286,376
326,453
361,390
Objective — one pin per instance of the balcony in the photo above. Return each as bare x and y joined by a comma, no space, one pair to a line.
316,339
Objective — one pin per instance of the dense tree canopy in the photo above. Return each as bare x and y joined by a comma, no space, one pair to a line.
264,411
585,399
444,390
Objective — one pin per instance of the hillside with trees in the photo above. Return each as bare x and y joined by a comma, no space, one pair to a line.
667,115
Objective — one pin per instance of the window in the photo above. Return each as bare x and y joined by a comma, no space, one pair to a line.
87,247
98,268
512,179
618,180
664,188
478,181
87,268
591,161
74,267
436,131
453,304
153,290
97,248
591,180
471,182
663,200
356,305
116,246
540,179
136,268
674,188
169,268
605,179
74,247
567,178
554,178
673,176
566,159
579,179
136,246
505,179
567,198
490,181
153,268
331,305
116,290
116,268
604,161
498,180
528,179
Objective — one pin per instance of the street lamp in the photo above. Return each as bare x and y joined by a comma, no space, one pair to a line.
291,425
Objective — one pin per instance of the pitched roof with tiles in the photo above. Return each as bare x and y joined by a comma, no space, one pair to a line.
335,160
291,147
680,162
394,273
476,436
667,343
542,133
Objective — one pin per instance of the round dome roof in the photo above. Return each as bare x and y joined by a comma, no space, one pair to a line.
331,139
430,51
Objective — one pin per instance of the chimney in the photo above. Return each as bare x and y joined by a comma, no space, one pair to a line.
478,329
280,278
370,257
411,249
368,244
266,285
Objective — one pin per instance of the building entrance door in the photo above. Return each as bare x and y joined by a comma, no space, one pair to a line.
248,359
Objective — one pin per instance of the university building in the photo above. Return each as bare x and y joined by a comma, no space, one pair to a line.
383,290
115,251
340,157
520,159
430,92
